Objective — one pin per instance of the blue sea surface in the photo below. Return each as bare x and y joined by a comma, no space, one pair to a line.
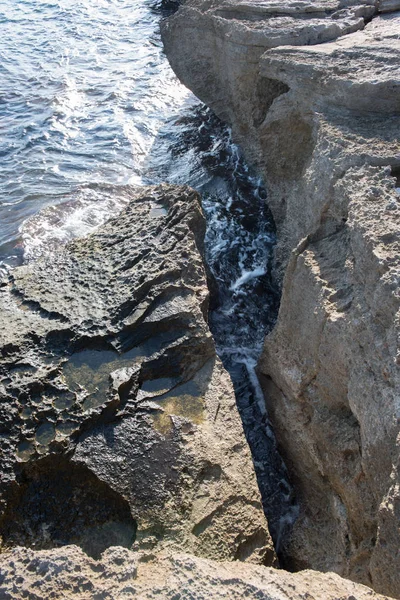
84,91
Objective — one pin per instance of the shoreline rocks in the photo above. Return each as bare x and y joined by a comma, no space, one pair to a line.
122,448
319,118
119,423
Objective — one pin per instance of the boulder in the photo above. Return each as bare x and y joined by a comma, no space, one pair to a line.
120,573
118,422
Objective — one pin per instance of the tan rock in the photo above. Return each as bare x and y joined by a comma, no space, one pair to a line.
119,423
321,123
68,573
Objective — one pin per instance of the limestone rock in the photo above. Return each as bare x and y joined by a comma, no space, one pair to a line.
118,423
214,47
69,573
332,361
321,123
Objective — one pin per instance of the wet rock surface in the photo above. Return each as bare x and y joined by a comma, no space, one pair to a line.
68,572
119,424
321,122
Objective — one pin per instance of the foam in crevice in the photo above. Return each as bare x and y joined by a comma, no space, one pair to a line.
239,246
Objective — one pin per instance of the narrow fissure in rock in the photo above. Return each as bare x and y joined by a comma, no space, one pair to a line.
196,149
239,247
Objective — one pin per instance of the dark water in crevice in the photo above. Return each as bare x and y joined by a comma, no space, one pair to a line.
88,103
240,240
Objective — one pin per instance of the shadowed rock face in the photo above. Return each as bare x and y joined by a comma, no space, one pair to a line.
321,122
119,424
59,502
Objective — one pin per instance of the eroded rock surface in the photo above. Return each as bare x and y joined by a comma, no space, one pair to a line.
118,423
215,46
69,573
321,122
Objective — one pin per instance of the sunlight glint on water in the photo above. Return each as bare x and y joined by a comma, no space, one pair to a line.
85,89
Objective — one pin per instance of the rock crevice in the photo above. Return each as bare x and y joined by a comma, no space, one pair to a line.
314,100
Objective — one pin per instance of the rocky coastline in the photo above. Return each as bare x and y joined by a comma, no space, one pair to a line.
111,385
124,467
125,470
312,91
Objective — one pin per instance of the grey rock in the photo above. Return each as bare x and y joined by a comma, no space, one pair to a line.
120,573
215,47
388,5
119,425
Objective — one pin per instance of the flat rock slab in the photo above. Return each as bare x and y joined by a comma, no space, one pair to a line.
118,422
68,573
360,72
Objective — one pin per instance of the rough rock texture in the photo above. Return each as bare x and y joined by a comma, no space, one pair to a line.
225,40
321,122
68,572
275,99
118,423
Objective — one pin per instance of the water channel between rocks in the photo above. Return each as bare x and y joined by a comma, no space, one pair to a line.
89,98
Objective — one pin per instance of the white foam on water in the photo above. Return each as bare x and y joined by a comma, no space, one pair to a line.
54,226
247,276
88,91
104,109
